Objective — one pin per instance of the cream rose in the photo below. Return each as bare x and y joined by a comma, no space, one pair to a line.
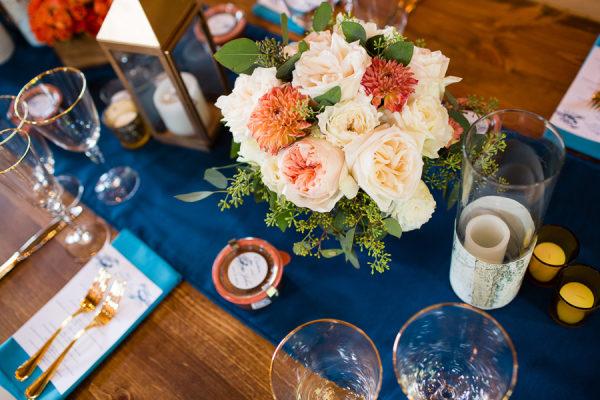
417,210
312,170
386,164
250,152
345,121
324,66
271,176
314,38
238,105
427,116
429,68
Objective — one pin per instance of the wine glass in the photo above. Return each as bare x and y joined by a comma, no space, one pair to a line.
453,351
302,11
61,107
22,172
326,359
73,189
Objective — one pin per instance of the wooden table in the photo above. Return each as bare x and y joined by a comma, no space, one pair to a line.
524,54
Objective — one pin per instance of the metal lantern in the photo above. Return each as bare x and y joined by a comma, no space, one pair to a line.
162,51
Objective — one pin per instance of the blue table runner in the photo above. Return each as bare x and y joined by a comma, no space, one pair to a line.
554,362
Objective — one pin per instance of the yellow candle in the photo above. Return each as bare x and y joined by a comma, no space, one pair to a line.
548,253
578,295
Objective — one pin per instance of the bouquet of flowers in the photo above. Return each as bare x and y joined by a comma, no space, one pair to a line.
341,134
53,20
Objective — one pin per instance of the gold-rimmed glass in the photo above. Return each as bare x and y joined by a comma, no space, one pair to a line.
61,108
326,359
454,351
23,173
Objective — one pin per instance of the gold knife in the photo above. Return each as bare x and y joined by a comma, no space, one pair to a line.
37,241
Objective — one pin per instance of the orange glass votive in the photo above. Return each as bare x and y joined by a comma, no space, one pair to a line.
247,272
576,295
556,248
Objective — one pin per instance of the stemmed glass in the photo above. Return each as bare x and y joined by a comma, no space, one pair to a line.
22,172
71,185
61,107
454,351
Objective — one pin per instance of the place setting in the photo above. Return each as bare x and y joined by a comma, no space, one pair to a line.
367,219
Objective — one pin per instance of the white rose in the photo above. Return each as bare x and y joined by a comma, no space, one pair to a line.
429,68
250,152
238,105
386,164
271,176
417,210
429,118
324,66
344,121
322,39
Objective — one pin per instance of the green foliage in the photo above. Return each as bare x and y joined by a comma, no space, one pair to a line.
480,105
284,27
420,43
194,196
322,17
271,53
284,71
215,178
400,51
330,97
354,31
375,45
238,55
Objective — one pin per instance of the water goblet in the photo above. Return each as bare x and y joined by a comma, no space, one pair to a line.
326,359
454,351
61,107
23,173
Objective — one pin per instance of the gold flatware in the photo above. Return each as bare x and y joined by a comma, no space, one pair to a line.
37,241
595,101
103,317
88,303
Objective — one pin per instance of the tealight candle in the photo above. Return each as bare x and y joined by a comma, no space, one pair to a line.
546,253
172,111
557,247
574,294
124,121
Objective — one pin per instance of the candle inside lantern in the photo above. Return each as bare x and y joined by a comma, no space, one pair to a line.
486,238
574,294
123,120
547,257
171,109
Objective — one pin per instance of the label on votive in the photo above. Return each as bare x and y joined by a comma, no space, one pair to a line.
483,285
247,270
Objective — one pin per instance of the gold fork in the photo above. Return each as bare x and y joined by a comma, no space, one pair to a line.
88,303
102,317
595,101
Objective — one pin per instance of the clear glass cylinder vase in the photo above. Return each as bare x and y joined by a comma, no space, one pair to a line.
510,166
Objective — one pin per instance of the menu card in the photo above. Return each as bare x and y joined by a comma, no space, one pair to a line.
148,279
578,122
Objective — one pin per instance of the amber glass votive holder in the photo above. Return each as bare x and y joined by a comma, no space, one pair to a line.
556,248
576,295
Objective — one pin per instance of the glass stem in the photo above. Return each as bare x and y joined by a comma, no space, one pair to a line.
95,154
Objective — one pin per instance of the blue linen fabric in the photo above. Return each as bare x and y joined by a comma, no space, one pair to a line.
554,362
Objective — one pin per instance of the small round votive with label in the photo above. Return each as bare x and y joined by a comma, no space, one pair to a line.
576,295
247,272
123,119
556,248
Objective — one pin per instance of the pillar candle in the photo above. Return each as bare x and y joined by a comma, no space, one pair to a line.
171,109
578,295
486,238
546,253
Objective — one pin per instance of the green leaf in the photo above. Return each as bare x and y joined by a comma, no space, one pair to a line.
300,248
303,46
284,27
284,72
400,51
283,220
194,196
346,241
460,118
371,45
354,259
238,55
392,226
235,149
330,97
451,99
453,197
215,178
329,253
338,222
353,32
322,17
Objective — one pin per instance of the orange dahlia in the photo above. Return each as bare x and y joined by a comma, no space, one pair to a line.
279,118
389,81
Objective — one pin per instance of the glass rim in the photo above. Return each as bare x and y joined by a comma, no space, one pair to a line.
14,99
331,320
499,184
36,79
560,284
16,131
513,380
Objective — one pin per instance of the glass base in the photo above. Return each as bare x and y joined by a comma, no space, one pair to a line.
117,185
84,240
72,189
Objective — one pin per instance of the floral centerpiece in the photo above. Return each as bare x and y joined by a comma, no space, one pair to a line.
60,20
343,134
